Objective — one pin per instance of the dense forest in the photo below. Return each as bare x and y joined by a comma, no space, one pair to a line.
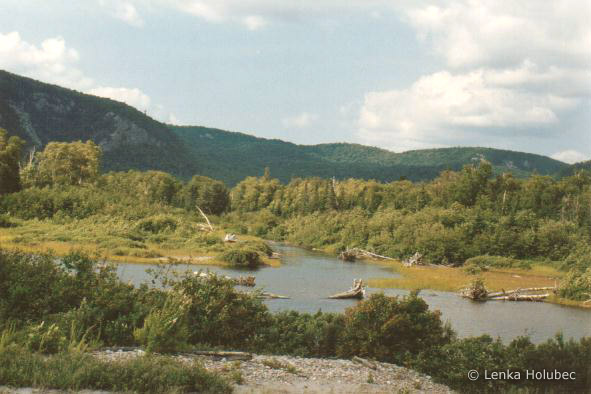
40,113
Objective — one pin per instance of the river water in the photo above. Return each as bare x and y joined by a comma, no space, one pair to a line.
308,278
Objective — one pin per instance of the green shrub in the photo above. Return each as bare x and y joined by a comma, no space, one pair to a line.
242,257
157,224
78,371
576,285
391,328
44,338
6,222
165,329
303,334
218,315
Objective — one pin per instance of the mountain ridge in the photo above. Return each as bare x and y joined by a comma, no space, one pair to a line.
40,113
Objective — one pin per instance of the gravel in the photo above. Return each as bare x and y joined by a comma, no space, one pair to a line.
286,374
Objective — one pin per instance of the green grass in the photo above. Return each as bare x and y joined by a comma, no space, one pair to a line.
79,371
117,239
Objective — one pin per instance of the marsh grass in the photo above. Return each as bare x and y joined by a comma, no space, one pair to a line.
79,371
444,278
119,240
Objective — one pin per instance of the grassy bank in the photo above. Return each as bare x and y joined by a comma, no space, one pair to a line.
452,279
80,371
118,240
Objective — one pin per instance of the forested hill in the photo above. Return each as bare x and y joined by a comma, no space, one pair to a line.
570,170
228,156
40,113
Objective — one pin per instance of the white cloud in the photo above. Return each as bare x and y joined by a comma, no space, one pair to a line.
570,156
515,70
134,97
443,106
260,13
300,121
493,32
254,22
53,62
127,12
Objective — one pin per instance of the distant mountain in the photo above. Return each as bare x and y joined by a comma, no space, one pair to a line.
570,170
228,156
41,113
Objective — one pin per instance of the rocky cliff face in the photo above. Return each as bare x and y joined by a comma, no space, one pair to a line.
40,113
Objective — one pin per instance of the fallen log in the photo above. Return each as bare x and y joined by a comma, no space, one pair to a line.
478,292
357,291
266,295
206,218
527,290
354,253
521,297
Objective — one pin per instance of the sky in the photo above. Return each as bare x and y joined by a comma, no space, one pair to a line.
399,75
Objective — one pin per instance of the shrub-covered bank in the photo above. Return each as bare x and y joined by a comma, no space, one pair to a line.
59,199
56,308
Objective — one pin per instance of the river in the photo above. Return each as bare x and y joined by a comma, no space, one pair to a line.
309,277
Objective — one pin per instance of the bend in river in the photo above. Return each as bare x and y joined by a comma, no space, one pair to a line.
308,278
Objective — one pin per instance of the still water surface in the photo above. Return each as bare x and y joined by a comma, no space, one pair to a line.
309,277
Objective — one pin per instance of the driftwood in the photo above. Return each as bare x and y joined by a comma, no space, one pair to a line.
266,295
478,292
530,289
523,297
366,363
230,238
205,216
415,259
355,253
357,291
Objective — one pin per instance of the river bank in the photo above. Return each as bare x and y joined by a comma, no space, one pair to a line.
120,242
286,374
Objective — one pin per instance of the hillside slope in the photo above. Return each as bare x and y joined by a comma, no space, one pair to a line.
227,155
40,113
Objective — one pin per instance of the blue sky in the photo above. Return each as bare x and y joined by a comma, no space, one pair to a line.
399,75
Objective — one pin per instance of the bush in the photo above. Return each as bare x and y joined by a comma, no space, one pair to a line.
165,329
303,334
242,257
391,328
78,371
44,338
157,224
450,363
576,285
218,315
5,222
